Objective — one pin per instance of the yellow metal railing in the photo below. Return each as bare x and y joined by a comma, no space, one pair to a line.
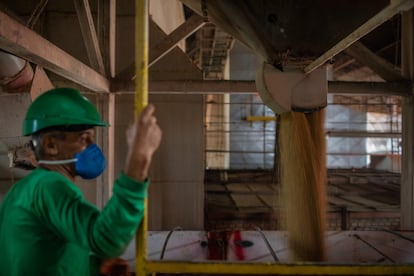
141,100
274,268
146,267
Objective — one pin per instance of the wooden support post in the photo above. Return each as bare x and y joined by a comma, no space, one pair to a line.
89,35
344,219
382,67
407,176
194,23
40,83
106,34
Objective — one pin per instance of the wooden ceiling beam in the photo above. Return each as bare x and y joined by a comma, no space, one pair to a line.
392,9
106,32
363,134
379,65
190,26
90,38
27,44
370,88
167,44
249,87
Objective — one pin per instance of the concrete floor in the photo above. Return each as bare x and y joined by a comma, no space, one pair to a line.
361,199
342,247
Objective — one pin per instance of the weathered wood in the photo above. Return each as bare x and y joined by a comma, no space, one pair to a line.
40,83
249,87
89,35
363,134
107,34
191,25
395,7
379,65
108,142
167,44
27,44
403,88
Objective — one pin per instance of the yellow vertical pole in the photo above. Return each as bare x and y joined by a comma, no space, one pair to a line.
141,55
141,100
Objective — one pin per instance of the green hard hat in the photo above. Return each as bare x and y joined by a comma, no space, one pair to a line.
60,107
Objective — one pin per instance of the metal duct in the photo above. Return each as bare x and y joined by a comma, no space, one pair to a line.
16,74
292,90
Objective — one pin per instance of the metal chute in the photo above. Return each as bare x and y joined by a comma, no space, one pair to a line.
292,90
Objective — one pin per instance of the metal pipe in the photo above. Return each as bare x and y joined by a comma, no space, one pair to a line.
141,100
15,73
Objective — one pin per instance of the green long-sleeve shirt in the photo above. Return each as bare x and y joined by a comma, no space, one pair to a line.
47,228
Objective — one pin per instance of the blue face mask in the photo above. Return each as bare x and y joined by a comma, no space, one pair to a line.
89,163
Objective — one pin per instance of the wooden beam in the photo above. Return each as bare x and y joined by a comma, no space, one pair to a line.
190,26
395,7
167,44
106,32
202,87
363,134
407,161
89,34
189,87
40,83
249,87
370,88
27,44
379,65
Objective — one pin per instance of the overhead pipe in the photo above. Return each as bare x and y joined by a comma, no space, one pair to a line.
16,74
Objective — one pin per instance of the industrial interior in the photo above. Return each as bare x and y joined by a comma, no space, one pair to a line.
288,126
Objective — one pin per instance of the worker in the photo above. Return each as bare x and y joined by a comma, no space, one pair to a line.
46,226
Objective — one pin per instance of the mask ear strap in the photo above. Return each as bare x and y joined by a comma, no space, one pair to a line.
30,144
58,162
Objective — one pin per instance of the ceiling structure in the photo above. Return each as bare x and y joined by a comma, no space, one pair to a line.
307,34
288,34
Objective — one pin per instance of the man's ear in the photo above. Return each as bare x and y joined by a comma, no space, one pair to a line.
50,145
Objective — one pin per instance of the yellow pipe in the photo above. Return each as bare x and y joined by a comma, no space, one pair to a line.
260,118
276,268
141,100
141,55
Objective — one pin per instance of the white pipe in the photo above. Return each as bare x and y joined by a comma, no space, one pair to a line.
10,65
15,73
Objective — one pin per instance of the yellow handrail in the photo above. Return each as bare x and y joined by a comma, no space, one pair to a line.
141,100
141,55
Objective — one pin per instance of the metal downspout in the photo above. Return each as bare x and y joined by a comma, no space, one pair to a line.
16,74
